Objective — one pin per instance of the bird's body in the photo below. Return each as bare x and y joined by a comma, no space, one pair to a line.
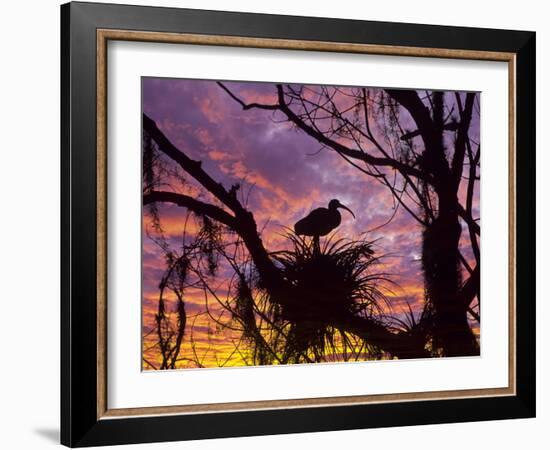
321,221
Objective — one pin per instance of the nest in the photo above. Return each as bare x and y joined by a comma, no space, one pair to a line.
331,281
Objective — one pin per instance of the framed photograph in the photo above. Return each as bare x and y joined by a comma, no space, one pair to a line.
276,224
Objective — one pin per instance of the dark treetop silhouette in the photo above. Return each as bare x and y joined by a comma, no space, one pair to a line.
309,303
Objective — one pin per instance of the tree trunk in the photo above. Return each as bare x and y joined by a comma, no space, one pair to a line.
440,258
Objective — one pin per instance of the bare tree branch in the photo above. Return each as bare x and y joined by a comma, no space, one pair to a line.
194,205
243,223
462,136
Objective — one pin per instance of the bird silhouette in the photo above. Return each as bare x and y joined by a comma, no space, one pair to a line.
321,221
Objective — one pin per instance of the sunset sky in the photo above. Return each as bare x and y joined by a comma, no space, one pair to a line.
284,175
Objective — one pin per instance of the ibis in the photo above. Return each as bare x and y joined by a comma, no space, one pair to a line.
321,221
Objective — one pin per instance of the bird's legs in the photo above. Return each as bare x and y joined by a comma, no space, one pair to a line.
316,246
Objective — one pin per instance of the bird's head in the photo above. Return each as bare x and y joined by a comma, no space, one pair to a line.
335,204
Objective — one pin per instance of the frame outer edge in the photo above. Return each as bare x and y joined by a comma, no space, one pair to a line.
526,227
65,401
79,199
79,426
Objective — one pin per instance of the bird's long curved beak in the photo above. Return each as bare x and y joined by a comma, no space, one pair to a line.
347,209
